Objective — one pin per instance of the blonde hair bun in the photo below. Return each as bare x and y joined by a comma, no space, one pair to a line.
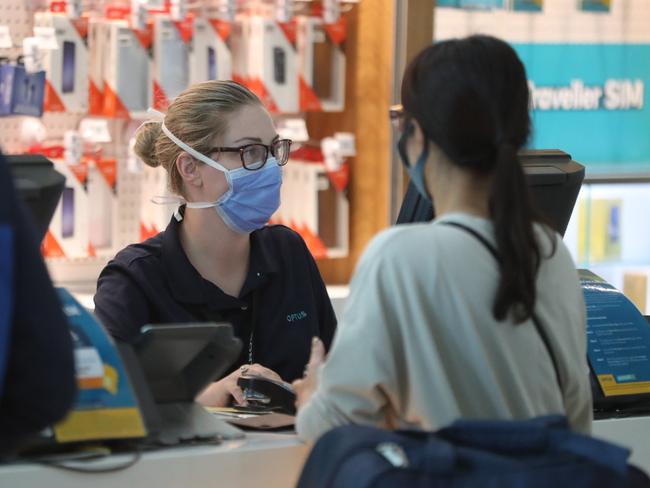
145,143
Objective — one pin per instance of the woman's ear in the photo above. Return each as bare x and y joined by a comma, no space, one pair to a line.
188,169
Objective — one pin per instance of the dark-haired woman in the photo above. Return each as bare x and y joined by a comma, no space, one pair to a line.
478,314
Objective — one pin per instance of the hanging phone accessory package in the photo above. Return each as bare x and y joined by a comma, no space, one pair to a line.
66,66
210,56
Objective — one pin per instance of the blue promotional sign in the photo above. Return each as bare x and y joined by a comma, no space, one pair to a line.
618,338
591,100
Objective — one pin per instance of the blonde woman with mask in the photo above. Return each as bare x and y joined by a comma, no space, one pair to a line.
218,260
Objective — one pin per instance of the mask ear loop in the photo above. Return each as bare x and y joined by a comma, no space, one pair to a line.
418,167
167,200
401,143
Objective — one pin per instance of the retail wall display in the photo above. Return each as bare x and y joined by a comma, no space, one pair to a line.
21,92
67,64
117,60
108,63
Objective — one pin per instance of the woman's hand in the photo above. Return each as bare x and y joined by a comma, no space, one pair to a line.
306,386
218,394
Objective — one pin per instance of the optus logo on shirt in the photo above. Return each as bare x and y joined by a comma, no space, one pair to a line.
295,317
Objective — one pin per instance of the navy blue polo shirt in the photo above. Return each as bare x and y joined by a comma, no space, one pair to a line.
155,283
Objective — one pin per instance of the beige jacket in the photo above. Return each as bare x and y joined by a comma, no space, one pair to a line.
418,347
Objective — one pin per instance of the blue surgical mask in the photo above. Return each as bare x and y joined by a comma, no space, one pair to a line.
252,196
416,172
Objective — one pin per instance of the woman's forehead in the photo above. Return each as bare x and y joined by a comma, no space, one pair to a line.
251,122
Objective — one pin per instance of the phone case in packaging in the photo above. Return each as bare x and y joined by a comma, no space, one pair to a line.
67,236
170,60
66,66
210,56
321,59
127,87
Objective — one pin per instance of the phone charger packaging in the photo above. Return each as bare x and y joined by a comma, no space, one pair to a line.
103,208
239,40
98,40
321,60
127,82
272,64
67,66
210,56
67,236
171,59
21,93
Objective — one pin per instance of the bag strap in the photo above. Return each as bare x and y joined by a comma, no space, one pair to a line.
538,326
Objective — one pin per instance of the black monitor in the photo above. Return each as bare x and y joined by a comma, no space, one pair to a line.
554,180
39,185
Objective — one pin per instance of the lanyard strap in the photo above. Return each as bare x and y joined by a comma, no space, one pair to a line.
253,323
538,326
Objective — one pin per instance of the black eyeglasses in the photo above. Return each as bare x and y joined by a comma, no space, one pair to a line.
254,156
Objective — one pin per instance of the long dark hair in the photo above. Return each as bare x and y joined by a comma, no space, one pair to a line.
470,97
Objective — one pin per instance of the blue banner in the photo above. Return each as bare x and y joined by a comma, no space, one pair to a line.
591,100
